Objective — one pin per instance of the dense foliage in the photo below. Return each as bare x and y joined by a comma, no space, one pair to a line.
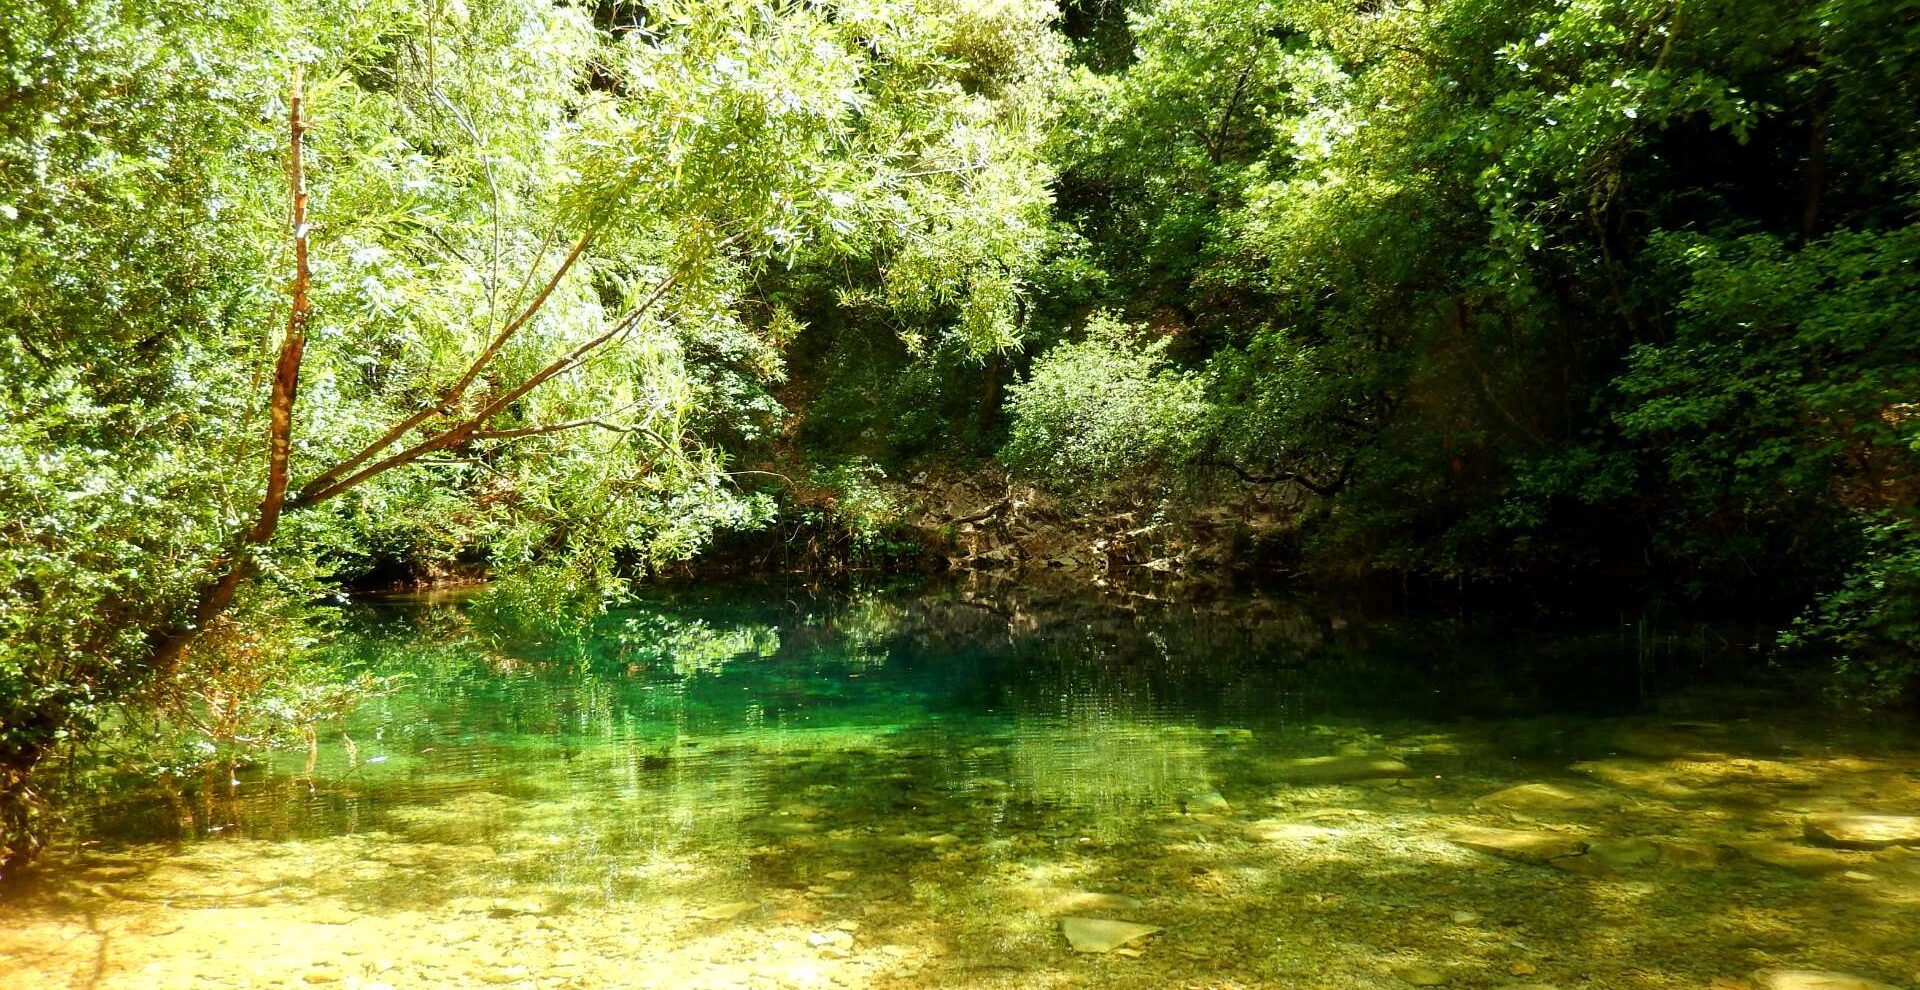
572,205
1570,293
1564,293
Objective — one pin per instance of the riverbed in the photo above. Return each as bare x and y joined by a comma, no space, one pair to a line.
768,786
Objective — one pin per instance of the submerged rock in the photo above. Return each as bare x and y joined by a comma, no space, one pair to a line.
1811,979
1688,854
1864,831
1061,900
1268,830
1340,769
1102,934
1207,803
1526,846
1801,859
1624,854
1534,799
728,911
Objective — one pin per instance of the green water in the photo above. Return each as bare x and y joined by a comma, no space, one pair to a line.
762,786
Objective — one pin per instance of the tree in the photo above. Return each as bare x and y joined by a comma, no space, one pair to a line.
533,243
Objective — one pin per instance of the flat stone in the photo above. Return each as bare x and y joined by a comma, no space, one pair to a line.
728,911
1102,934
1624,854
1268,830
1340,769
1526,846
1536,799
1420,976
1207,803
1864,831
1688,854
1811,979
1585,866
1065,900
1800,859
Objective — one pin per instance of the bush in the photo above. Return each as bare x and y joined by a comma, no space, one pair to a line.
1103,408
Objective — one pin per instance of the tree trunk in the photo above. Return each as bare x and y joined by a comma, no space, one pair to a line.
240,563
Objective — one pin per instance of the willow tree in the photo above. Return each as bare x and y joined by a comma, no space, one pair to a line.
494,306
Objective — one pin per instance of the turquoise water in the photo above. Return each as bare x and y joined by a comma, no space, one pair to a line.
766,786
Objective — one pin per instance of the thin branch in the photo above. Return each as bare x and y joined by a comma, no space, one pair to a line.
544,429
327,479
315,492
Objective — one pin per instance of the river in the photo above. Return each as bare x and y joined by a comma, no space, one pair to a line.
952,786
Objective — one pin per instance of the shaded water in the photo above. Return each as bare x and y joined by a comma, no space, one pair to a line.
752,787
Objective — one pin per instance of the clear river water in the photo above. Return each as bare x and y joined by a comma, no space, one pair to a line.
953,786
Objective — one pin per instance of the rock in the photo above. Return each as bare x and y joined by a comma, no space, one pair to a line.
318,976
1340,769
516,907
1624,854
1208,803
1549,799
510,974
1465,917
324,916
1063,900
1742,781
834,937
1687,854
1517,844
1585,866
1810,979
839,875
728,911
1101,934
1420,976
1637,775
1523,969
1864,831
1788,856
1667,742
1268,830
1855,876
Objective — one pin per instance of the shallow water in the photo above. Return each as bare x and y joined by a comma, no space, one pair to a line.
755,787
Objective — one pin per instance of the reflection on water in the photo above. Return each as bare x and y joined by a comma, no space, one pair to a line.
759,788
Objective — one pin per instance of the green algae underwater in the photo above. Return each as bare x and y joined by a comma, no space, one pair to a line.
973,786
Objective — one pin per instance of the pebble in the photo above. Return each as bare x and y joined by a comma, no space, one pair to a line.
1465,917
